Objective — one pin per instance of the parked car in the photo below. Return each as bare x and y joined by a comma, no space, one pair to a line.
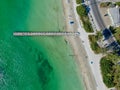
71,22
106,15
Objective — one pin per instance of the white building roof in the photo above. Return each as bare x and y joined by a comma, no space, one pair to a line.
115,15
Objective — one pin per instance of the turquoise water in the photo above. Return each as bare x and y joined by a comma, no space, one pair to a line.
35,63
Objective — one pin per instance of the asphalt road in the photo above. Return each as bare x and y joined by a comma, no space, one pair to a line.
94,7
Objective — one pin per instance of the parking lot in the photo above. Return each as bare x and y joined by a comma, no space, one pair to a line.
105,16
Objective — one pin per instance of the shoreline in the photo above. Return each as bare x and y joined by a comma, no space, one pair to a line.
91,74
80,56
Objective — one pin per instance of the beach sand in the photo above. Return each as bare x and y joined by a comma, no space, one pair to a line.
91,74
79,51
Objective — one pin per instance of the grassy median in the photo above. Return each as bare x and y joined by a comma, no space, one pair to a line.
93,42
81,10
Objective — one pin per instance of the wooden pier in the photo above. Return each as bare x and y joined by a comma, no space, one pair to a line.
46,33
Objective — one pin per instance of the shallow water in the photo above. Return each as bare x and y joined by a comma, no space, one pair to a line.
35,63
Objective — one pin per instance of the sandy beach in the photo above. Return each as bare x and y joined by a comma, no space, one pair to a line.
91,73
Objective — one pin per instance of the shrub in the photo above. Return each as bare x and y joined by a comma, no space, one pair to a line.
117,3
93,43
107,69
79,1
105,4
81,10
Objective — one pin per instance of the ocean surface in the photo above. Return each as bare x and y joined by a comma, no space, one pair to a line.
35,63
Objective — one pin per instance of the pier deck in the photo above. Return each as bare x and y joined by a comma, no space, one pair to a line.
46,33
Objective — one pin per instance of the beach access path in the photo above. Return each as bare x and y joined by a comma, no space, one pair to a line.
90,72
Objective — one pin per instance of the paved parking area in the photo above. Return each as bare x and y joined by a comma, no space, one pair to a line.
106,19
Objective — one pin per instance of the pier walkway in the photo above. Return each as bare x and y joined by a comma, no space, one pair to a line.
46,33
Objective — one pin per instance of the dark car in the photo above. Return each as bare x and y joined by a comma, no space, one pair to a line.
106,15
71,22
